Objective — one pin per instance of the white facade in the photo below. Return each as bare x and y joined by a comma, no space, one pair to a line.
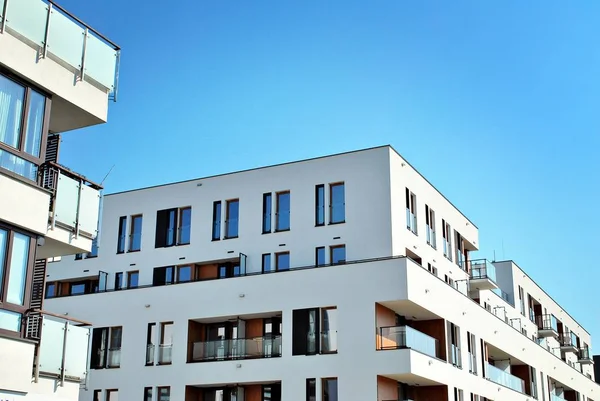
373,343
56,75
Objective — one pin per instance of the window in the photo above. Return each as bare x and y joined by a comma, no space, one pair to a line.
172,274
282,261
106,347
135,235
311,389
148,394
118,281
229,269
184,228
93,253
122,234
164,393
458,394
50,290
430,222
133,279
232,219
522,300
266,263
320,205
216,225
150,343
267,210
454,344
184,274
97,395
448,280
432,269
112,395
460,250
337,203
283,211
166,222
166,343
16,259
23,128
472,348
411,211
314,331
330,389
320,256
447,240
337,254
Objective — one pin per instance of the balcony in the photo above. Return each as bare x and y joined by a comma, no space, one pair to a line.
584,356
165,352
554,397
568,342
547,326
396,337
482,275
73,212
239,348
52,48
503,378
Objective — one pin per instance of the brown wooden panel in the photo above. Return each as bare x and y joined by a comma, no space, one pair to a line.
253,393
570,395
434,328
193,393
387,389
65,288
522,372
429,393
384,317
206,272
254,328
196,333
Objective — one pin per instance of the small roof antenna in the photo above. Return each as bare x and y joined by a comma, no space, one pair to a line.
107,174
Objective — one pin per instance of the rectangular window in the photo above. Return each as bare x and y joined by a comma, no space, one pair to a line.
458,395
337,203
106,347
166,343
460,250
133,279
122,234
411,211
79,256
148,394
522,300
166,226
320,205
266,263
337,254
112,395
454,344
184,274
311,389
151,344
320,256
232,219
17,274
93,253
164,393
314,331
97,395
118,281
216,224
283,211
135,235
472,349
282,261
430,222
163,275
50,290
184,228
447,239
432,269
267,210
330,389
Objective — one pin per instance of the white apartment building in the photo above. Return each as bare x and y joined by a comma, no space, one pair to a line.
346,277
56,74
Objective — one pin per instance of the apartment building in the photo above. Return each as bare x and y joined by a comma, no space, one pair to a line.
56,75
346,277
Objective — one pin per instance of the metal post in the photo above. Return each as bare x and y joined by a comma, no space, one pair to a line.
3,25
85,36
47,33
64,354
36,366
81,185
116,83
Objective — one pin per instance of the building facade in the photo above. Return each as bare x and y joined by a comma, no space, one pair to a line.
344,277
56,75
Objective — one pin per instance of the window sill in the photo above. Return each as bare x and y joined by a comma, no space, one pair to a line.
164,363
216,239
282,230
333,223
183,244
120,252
134,250
224,238
320,225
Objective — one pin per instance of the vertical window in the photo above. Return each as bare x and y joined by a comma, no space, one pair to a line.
460,251
216,225
135,235
283,211
163,275
329,329
166,343
106,347
112,395
79,256
164,393
185,226
338,254
232,219
97,395
522,300
311,389
266,263
50,290
411,211
18,269
472,349
320,256
430,223
454,344
184,274
148,394
118,281
133,279
150,343
282,261
432,269
166,228
122,234
320,205
447,237
267,209
93,253
337,203
330,389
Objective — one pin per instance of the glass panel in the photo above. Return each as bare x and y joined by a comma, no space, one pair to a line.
330,392
51,346
35,123
28,17
185,274
504,378
76,352
266,263
232,219
311,389
18,269
267,208
122,231
338,203
112,395
10,320
311,335
164,393
243,260
283,211
102,279
338,254
65,39
320,256
66,201
185,226
12,96
17,165
216,234
329,326
3,241
100,61
407,337
170,240
77,289
283,261
50,290
320,205
136,233
148,394
133,280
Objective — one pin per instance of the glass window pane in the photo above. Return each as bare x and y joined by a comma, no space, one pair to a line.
133,279
330,390
283,211
136,233
122,234
18,269
216,234
18,165
35,123
148,394
12,97
320,256
171,227
320,205
3,241
338,212
232,218
116,334
10,320
185,226
167,334
77,289
267,207
185,274
266,262
164,393
50,290
283,261
338,254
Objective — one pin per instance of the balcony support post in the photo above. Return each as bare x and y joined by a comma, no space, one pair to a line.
81,185
64,354
85,36
3,24
47,33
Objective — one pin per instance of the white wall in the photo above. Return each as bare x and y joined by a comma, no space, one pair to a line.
26,206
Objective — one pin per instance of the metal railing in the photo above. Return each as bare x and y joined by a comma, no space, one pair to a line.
567,340
395,337
482,269
546,322
584,354
57,34
239,348
503,378
165,354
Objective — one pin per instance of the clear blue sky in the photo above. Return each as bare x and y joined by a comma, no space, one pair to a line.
495,102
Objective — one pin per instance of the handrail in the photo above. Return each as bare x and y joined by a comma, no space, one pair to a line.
63,317
69,173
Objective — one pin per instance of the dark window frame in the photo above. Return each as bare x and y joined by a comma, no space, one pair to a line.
317,251
228,219
129,276
216,220
122,238
270,262
279,213
320,205
332,249
132,233
118,281
267,220
180,227
277,267
331,204
329,397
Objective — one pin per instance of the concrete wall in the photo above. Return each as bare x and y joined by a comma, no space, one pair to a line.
24,205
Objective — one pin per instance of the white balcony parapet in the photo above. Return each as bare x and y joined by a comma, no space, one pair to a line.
503,378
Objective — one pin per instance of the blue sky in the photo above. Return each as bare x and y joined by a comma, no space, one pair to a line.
495,102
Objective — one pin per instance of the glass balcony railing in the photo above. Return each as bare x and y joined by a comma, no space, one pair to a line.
113,358
482,269
431,237
59,35
567,340
165,354
239,348
506,297
554,397
75,201
547,322
396,337
455,358
584,354
504,378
